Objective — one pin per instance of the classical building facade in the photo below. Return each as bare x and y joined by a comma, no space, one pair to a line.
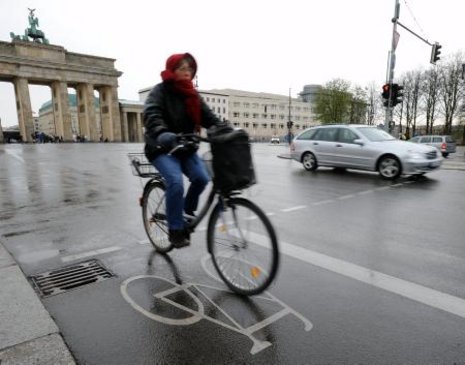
23,63
262,115
45,122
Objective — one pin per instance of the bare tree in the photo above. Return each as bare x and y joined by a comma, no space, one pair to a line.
373,103
430,88
358,106
451,89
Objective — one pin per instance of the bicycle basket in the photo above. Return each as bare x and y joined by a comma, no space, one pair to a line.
140,166
232,161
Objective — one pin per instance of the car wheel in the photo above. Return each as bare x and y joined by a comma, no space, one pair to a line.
309,161
389,167
445,154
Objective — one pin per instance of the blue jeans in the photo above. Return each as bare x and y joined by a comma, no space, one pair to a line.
172,169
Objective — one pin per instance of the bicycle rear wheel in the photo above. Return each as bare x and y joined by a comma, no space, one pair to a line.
243,245
154,216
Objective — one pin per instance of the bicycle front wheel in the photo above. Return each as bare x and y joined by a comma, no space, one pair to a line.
154,216
243,245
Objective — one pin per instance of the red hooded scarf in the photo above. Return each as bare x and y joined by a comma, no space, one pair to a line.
184,87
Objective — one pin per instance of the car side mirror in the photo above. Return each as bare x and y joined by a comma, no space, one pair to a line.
359,142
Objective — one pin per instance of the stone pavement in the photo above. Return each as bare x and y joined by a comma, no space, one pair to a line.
28,335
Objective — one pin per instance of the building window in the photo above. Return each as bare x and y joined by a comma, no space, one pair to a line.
255,115
246,115
236,114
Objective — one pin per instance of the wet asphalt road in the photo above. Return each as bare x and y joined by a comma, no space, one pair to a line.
371,272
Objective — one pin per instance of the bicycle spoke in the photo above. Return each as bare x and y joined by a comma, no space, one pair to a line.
247,267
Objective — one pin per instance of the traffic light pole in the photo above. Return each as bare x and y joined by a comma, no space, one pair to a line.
392,65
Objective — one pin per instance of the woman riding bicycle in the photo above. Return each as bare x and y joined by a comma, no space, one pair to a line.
174,106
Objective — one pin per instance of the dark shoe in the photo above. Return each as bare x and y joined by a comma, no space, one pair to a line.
178,238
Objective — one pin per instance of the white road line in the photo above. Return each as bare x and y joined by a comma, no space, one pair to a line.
90,253
323,202
293,208
416,292
15,155
365,192
348,196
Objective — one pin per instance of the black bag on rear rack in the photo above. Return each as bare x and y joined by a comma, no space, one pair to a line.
231,159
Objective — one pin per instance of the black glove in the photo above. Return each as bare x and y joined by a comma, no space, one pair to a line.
167,140
188,148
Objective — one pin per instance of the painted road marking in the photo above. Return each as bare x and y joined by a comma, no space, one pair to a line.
90,253
200,296
15,155
293,208
407,289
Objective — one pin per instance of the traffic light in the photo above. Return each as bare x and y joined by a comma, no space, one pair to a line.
290,124
435,52
397,94
392,94
385,94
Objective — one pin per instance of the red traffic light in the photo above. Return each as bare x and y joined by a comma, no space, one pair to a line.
385,93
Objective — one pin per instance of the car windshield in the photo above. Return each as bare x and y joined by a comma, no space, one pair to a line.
374,134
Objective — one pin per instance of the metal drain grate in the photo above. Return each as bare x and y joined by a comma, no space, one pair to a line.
61,280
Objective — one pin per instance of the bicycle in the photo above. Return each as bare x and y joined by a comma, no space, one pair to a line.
240,238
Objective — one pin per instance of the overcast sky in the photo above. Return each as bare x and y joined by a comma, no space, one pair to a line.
254,45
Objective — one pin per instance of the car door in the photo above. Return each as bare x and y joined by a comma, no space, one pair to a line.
323,144
350,154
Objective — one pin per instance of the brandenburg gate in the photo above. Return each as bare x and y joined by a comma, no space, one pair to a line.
24,62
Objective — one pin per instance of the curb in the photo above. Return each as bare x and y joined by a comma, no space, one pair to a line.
28,334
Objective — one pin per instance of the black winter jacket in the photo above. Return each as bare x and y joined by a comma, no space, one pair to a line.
165,111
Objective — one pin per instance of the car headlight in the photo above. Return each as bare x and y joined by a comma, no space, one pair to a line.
416,155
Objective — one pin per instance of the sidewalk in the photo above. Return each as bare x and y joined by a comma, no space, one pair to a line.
28,335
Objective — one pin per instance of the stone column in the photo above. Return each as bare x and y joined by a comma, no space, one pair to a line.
140,131
109,110
61,112
86,112
24,108
125,130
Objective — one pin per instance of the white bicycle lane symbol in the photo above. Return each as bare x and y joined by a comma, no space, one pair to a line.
197,293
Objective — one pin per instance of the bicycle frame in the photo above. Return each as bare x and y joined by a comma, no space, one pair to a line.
203,212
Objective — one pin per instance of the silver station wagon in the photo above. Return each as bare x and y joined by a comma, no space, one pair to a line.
362,147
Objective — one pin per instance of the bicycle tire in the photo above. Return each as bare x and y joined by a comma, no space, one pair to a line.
154,216
243,245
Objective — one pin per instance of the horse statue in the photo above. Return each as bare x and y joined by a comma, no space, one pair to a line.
32,32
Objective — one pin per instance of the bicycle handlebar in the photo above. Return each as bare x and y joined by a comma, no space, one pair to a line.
191,136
